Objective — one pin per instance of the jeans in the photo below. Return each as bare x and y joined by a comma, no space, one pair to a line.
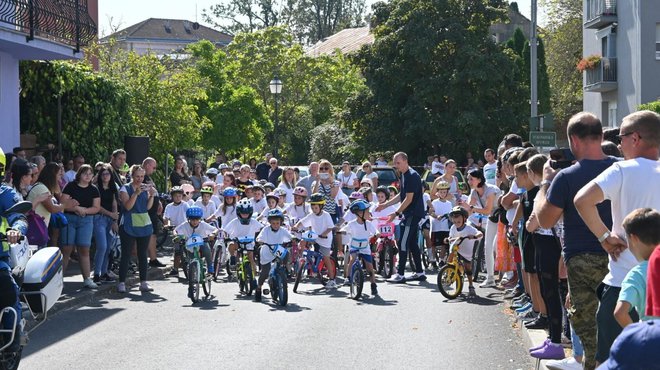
608,327
103,239
127,242
578,350
408,242
489,249
78,232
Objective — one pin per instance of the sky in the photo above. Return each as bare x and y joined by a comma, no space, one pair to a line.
124,13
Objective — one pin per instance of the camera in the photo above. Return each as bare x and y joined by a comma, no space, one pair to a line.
561,158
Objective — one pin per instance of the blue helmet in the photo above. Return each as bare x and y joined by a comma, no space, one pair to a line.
229,192
358,205
194,212
275,213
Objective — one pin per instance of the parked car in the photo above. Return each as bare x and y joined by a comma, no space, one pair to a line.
429,178
386,175
304,171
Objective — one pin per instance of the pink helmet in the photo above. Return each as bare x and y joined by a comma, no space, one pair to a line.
299,190
356,195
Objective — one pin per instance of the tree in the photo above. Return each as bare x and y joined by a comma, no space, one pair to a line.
309,20
564,39
436,78
332,142
520,45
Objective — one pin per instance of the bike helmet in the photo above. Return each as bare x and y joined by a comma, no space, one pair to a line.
275,213
356,195
194,212
176,189
207,190
317,198
443,185
212,172
229,192
458,211
258,187
393,190
244,207
281,192
3,162
300,191
223,166
358,205
383,189
365,191
273,195
269,186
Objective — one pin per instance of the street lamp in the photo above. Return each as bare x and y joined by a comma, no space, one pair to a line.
276,89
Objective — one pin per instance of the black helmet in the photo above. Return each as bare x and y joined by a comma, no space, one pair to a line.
458,211
383,189
317,198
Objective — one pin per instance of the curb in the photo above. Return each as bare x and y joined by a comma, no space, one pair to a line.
532,338
87,296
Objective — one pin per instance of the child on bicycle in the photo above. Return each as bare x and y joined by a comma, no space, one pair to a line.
195,225
243,225
459,229
368,195
439,212
298,209
174,215
272,235
206,204
321,223
272,200
360,231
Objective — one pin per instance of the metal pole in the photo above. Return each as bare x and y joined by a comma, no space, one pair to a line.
59,126
275,138
534,63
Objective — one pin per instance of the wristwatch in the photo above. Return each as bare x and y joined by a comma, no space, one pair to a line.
604,236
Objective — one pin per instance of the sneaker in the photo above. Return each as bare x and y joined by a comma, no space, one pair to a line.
569,363
396,278
417,276
347,282
488,284
545,343
121,288
107,279
156,263
89,284
374,289
173,272
97,279
524,308
552,351
434,265
527,315
257,295
540,323
112,275
471,292
331,284
514,294
145,287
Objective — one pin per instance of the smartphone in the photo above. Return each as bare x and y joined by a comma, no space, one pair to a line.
561,158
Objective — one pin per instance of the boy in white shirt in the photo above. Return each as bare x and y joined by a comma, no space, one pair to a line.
243,225
460,229
271,235
258,201
174,215
272,200
195,225
321,223
206,204
440,222
360,231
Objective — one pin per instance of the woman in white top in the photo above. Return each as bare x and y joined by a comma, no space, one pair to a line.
370,174
348,179
288,183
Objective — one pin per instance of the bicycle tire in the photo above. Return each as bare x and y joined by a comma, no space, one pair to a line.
282,289
193,282
206,285
217,262
447,277
249,280
478,259
184,266
11,361
299,274
382,257
357,281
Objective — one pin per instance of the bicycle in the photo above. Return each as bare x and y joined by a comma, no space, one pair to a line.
220,257
196,267
386,249
245,278
450,276
356,275
311,261
478,254
277,277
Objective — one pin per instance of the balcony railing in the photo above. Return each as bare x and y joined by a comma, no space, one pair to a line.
600,13
63,21
602,78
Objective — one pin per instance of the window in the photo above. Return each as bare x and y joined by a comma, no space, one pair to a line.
657,41
611,115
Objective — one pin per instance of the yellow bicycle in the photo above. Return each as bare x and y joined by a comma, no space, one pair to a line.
450,276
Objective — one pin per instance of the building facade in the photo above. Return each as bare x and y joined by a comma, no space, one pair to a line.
625,34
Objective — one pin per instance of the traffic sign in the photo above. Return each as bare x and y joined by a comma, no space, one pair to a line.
543,139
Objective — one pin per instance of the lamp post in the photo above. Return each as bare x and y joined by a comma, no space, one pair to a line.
276,89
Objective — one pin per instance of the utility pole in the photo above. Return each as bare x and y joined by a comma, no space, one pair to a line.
533,43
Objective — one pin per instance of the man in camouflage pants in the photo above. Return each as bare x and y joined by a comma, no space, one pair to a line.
586,260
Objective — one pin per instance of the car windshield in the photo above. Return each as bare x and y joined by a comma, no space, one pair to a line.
387,175
430,177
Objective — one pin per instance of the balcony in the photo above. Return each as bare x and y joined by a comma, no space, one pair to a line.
600,13
62,21
602,77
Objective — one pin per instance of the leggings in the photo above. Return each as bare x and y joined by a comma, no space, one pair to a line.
548,252
263,274
408,241
127,242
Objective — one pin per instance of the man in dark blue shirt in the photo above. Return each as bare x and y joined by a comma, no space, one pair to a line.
585,258
412,209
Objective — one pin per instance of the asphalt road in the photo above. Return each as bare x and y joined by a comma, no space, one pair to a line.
407,326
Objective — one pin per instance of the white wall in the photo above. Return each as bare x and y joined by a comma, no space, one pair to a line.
9,107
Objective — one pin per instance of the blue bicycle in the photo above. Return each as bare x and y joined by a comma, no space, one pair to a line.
356,275
311,261
277,276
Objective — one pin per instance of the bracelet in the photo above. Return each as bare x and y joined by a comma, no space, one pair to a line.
604,236
545,182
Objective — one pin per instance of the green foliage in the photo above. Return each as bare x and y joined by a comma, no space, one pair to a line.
94,115
520,45
434,69
652,106
332,142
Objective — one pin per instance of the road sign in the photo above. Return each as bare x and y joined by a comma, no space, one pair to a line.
547,121
543,139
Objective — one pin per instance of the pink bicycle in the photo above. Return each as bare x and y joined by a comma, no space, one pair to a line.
386,249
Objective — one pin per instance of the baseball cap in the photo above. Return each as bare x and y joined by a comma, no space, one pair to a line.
636,347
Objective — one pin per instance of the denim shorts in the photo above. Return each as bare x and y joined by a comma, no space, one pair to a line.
79,230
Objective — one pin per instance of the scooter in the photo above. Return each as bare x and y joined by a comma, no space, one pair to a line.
39,279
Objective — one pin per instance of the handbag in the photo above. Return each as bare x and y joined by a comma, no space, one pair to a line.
58,220
37,232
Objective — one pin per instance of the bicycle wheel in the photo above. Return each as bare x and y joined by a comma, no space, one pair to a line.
357,280
282,290
299,274
450,282
478,259
193,282
249,280
217,262
185,266
387,263
11,360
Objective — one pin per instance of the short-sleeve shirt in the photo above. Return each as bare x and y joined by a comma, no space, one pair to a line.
108,196
37,190
297,212
412,183
481,200
259,206
203,229
85,196
466,247
346,180
209,209
175,178
578,238
319,225
620,184
176,213
653,284
440,208
359,235
268,236
235,229
490,173
226,216
633,290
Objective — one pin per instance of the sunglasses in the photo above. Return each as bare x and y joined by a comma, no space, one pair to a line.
621,136
324,168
